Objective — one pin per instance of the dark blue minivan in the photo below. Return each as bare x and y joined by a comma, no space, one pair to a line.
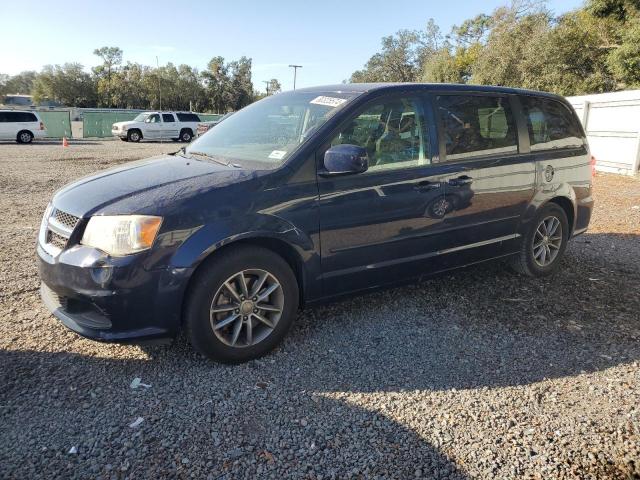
309,195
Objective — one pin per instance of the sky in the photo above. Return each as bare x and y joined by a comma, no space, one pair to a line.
329,38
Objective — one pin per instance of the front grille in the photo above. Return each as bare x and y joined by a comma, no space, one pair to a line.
56,240
65,219
57,228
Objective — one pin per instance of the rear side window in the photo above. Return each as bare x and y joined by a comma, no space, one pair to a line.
188,117
477,125
167,117
551,124
18,117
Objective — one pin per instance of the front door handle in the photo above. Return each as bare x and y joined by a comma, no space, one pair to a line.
426,185
461,181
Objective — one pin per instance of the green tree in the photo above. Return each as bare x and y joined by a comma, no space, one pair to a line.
111,59
239,92
273,87
68,84
22,83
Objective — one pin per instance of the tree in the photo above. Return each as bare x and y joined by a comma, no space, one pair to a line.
129,88
68,84
111,58
216,81
273,87
22,83
402,56
240,89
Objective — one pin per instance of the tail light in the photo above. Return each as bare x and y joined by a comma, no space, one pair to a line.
593,166
41,126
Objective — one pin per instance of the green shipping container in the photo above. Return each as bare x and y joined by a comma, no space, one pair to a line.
209,117
98,124
58,124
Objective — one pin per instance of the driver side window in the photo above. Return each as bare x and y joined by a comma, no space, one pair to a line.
155,118
393,132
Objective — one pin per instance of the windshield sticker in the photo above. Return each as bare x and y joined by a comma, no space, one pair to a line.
328,101
278,154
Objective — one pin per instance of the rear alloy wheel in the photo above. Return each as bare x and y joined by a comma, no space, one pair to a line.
25,137
186,136
134,136
241,304
544,244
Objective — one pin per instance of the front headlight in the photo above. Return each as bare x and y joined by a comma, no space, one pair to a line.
121,234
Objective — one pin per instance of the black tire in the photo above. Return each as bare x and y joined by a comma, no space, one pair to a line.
186,135
124,139
134,135
24,136
208,283
525,261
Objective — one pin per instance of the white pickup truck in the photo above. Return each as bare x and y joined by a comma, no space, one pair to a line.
177,126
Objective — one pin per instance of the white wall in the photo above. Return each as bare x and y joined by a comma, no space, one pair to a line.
612,123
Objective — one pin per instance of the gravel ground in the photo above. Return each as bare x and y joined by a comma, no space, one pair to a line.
478,374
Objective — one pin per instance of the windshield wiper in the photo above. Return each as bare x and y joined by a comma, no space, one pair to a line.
209,157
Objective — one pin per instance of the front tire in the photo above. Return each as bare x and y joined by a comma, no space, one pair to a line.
25,136
544,244
241,304
134,136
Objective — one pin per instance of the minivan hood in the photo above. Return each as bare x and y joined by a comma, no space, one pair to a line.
145,186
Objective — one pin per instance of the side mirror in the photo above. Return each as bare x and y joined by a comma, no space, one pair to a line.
345,159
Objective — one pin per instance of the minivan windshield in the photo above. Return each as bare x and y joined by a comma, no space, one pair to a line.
141,117
267,132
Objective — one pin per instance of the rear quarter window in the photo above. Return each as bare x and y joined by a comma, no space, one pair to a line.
20,117
551,124
188,117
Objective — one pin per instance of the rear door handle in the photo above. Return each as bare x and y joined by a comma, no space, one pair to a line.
460,181
426,185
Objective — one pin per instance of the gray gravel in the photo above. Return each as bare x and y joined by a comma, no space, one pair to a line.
478,374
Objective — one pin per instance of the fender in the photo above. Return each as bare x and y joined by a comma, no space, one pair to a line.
544,194
212,237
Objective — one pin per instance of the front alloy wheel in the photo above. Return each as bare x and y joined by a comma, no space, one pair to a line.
246,308
240,304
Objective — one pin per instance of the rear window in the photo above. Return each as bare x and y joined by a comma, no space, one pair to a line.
167,117
477,125
188,117
17,117
551,124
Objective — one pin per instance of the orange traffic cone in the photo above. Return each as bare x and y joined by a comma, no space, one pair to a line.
65,143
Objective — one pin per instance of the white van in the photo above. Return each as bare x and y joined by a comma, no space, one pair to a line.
21,126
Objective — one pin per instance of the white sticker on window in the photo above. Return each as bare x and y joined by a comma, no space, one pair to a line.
328,101
278,154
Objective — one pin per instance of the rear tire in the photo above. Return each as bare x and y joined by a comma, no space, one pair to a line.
228,325
134,136
186,135
24,136
544,244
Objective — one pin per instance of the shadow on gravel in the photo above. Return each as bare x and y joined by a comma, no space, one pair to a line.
480,327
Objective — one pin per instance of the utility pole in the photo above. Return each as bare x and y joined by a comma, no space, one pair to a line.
267,82
295,71
159,89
